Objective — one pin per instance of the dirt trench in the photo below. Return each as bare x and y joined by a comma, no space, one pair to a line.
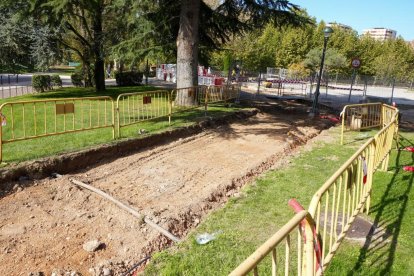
44,226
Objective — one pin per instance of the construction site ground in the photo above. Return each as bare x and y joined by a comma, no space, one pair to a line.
45,223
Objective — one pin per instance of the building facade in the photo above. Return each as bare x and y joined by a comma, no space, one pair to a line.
380,34
340,26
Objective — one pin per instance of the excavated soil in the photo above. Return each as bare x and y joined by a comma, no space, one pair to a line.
45,223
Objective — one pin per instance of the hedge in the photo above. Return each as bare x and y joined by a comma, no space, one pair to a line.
77,79
56,80
128,78
42,83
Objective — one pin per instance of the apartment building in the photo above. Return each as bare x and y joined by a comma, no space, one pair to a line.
380,34
340,26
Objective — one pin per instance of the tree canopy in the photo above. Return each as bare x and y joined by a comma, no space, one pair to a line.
293,47
36,34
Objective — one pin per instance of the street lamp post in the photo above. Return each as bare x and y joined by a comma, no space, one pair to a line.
327,33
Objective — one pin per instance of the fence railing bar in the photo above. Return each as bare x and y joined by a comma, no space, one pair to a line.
300,238
274,262
287,256
251,262
332,234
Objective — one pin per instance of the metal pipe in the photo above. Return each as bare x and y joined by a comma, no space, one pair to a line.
352,84
126,208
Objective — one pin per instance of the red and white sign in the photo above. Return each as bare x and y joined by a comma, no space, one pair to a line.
356,63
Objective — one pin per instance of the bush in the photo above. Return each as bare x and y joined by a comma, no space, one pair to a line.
77,79
56,81
42,83
128,78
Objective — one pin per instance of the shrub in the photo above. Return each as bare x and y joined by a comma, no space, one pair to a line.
56,80
77,79
128,78
41,83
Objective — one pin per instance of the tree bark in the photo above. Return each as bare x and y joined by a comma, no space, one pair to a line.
187,51
99,70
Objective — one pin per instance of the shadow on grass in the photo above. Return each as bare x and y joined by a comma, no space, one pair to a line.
180,119
389,213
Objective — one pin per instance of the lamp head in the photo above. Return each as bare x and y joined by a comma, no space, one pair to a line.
327,32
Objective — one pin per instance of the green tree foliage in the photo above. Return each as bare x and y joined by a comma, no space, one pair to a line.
368,50
38,33
292,47
82,22
395,61
25,44
15,33
139,38
333,60
44,49
295,44
218,24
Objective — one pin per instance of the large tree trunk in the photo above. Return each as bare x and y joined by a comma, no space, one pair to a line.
99,70
187,51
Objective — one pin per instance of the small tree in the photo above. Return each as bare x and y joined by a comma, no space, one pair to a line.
333,60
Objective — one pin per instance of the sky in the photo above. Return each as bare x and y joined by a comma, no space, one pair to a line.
364,14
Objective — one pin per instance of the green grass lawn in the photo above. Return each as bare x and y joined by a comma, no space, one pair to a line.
75,92
245,222
40,119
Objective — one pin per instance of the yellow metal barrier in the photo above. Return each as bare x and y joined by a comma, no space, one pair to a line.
360,116
232,91
336,204
388,112
270,248
133,108
220,93
383,143
41,118
196,96
188,97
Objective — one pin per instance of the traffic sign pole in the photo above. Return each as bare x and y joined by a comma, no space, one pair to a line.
355,63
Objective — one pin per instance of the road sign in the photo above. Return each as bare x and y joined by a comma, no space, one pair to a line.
356,63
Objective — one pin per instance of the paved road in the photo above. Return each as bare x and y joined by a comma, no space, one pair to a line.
12,86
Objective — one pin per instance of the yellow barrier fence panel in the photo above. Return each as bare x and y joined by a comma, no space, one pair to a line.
281,254
41,118
336,204
216,93
133,108
383,140
223,93
341,198
188,98
361,116
388,113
